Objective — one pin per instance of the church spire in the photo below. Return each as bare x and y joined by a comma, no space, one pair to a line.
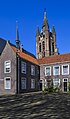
45,22
45,19
17,36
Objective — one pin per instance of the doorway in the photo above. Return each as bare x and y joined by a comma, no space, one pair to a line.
41,85
65,84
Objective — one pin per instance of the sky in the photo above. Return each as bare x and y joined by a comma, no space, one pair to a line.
30,14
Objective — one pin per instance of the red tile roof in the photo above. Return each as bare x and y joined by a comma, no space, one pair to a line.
55,59
25,56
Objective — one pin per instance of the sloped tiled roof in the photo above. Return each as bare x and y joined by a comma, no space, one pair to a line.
55,59
25,56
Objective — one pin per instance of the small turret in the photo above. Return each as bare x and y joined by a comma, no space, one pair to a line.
53,30
37,32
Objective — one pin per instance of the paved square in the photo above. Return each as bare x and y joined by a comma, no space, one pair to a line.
35,106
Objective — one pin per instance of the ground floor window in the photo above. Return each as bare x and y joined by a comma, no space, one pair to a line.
23,83
56,83
65,84
7,83
32,83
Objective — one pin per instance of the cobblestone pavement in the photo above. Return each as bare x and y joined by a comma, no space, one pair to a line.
35,106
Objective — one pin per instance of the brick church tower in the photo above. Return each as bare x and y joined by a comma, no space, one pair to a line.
45,40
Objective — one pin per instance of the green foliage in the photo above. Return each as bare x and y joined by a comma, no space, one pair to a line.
48,89
56,89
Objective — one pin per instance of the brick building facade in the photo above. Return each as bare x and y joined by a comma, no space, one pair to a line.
54,68
19,70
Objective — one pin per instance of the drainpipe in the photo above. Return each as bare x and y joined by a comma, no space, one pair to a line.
17,70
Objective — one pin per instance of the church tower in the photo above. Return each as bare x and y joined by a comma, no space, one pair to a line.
45,40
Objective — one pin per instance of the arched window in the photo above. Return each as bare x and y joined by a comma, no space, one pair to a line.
53,48
39,47
43,44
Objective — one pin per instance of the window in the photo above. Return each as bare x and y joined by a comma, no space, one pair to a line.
39,47
53,48
7,66
47,71
7,83
23,67
32,70
65,80
56,83
65,69
43,46
56,70
23,83
32,83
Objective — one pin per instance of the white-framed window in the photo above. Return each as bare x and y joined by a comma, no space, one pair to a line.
23,67
48,71
7,66
7,83
56,83
65,79
23,83
56,70
65,69
32,70
32,83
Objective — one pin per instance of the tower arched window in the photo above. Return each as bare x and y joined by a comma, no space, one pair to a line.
43,44
53,48
39,47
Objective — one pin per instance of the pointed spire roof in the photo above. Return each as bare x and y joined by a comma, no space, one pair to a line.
53,30
37,31
17,36
45,22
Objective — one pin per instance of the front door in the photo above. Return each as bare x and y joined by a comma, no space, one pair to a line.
65,82
65,86
40,84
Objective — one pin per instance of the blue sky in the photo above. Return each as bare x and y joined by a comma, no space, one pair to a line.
29,14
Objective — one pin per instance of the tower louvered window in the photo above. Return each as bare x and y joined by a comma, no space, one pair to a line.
39,47
43,45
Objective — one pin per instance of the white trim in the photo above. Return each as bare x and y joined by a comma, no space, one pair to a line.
33,70
6,67
23,71
23,78
50,70
56,80
67,84
54,70
5,83
65,78
32,83
68,69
